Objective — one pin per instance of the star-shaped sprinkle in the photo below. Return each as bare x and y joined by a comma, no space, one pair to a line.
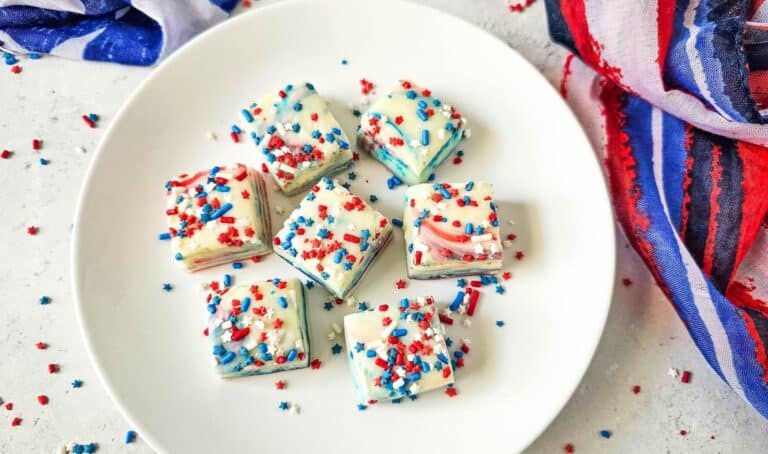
519,255
499,323
328,305
45,300
451,392
77,383
167,287
400,284
283,405
361,407
280,384
336,349
315,364
500,289
359,347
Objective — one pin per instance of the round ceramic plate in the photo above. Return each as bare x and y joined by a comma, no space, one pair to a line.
148,345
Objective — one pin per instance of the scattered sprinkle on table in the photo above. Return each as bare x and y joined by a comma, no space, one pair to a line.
5,154
44,162
683,432
344,61
361,407
280,384
9,406
130,437
569,448
41,345
37,144
499,323
77,383
636,389
283,405
686,376
336,349
401,284
451,391
32,230
519,255
16,421
605,433
45,300
315,364
42,399
626,282
53,368
328,305
167,287
366,86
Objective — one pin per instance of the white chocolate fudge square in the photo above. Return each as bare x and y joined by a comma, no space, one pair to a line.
258,329
333,237
411,132
397,350
217,216
298,136
451,229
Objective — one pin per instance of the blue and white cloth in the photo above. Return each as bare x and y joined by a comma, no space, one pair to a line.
133,32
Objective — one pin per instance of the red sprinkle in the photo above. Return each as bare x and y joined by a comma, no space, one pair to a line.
366,86
519,255
511,237
5,154
568,448
446,320
16,421
53,368
506,275
626,282
520,7
686,376
37,144
32,230
450,392
41,345
9,406
16,69
457,160
401,284
256,259
246,3
280,384
42,399
636,389
315,364
88,121
683,432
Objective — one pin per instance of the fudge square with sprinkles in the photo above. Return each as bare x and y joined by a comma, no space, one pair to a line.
333,237
217,216
397,350
258,329
299,138
411,132
451,229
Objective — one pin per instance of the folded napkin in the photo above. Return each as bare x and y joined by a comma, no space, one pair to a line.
134,32
674,96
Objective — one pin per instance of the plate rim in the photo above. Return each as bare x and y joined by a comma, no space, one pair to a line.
75,242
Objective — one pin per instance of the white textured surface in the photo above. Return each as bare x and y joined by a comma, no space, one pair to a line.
643,338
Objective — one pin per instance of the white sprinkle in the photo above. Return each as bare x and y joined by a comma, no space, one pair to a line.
351,301
672,372
506,243
414,388
511,222
294,409
331,335
336,328
210,135
226,325
399,383
480,238
467,322
279,209
80,149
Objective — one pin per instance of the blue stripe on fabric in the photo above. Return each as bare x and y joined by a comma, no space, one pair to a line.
729,217
665,251
677,73
700,190
673,169
134,39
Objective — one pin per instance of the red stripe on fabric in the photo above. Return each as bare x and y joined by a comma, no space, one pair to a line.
754,206
741,295
622,174
714,211
566,76
590,50
758,84
687,181
665,20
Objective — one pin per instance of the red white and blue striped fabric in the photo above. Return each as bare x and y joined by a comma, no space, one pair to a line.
674,94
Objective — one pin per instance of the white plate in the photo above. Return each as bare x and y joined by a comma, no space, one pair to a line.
147,344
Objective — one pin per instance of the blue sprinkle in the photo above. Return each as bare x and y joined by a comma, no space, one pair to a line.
297,107
245,304
77,383
444,359
500,289
425,137
361,306
45,299
336,349
237,265
457,301
309,284
296,127
343,145
130,437
283,406
422,115
397,222
291,354
399,332
373,198
344,61
283,302
178,256
397,401
469,185
212,308
90,448
220,212
431,177
247,115
410,94
227,280
359,347
167,286
499,323
422,104
328,305
352,176
605,433
460,153
228,357
44,162
370,353
339,256
469,228
164,236
34,56
236,129
458,354
361,407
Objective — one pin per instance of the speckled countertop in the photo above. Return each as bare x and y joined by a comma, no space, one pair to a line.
642,341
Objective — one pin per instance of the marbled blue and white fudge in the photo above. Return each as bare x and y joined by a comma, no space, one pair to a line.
397,350
258,329
411,132
451,229
217,216
333,237
298,136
